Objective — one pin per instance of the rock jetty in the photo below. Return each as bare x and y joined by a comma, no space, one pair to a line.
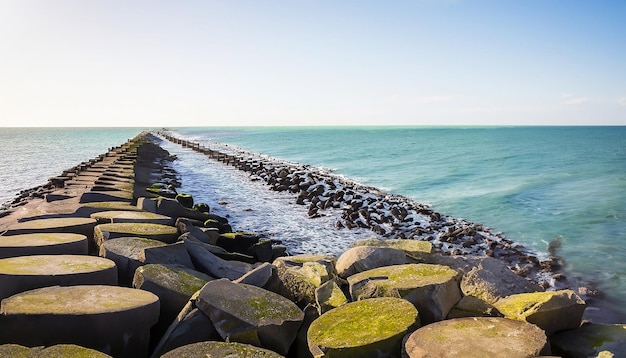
107,259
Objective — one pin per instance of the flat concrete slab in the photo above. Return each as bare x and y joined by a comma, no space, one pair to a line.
43,244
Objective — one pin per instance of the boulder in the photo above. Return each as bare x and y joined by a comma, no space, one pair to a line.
111,319
239,242
367,328
119,216
433,289
470,306
59,350
174,285
127,253
329,296
414,248
174,209
23,273
75,225
264,276
43,244
477,337
185,200
249,314
172,254
221,349
206,262
591,340
301,275
552,311
190,326
163,233
85,210
492,280
109,195
363,258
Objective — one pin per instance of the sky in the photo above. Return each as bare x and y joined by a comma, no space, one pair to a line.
181,63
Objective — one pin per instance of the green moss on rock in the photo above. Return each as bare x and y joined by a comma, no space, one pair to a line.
220,349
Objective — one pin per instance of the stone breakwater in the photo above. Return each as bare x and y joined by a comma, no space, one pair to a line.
113,262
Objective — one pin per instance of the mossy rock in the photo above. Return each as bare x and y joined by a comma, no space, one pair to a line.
363,258
23,273
67,351
408,246
477,337
590,340
163,233
249,314
75,225
128,254
220,349
112,195
470,306
118,216
85,210
15,351
43,244
433,289
301,275
119,319
329,296
551,310
368,328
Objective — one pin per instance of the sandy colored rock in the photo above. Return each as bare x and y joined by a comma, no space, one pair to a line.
329,296
76,225
118,216
477,337
163,233
248,314
113,320
43,244
470,306
220,349
413,247
23,273
433,289
551,310
368,328
363,258
590,340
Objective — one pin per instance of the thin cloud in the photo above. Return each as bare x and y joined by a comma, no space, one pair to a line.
421,99
573,101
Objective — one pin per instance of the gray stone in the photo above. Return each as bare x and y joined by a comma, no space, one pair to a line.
205,261
363,258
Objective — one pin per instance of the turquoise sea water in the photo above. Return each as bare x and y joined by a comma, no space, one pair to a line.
534,184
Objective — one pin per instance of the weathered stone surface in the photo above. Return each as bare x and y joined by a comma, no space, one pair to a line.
113,195
14,351
206,262
174,209
190,326
127,253
433,289
264,276
23,273
477,337
413,247
590,340
66,351
174,285
470,306
551,310
172,254
118,318
43,244
248,314
363,258
163,233
492,280
221,349
119,216
75,225
300,275
87,209
368,328
329,296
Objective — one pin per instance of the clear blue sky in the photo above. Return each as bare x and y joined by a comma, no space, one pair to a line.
230,62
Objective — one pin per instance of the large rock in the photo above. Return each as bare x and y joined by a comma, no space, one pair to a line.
492,280
368,328
363,258
477,337
172,254
301,275
174,285
248,314
221,349
264,276
83,226
113,320
329,296
119,216
470,306
413,248
433,289
23,273
590,340
174,209
56,351
207,262
163,233
128,255
552,310
43,244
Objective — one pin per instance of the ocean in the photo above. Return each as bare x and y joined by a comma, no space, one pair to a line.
534,184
